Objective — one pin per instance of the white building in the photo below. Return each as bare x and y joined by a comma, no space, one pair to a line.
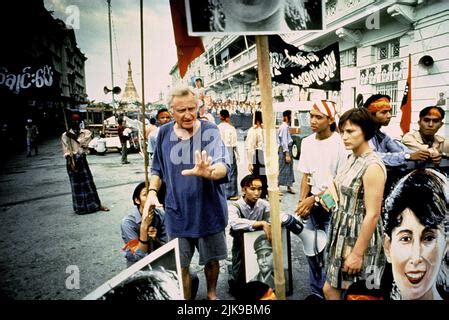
373,36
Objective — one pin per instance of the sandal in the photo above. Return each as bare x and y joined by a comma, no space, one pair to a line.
103,208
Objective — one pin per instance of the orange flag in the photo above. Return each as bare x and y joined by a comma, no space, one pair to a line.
406,104
189,48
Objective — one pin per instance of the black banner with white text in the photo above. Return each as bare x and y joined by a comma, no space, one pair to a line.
308,69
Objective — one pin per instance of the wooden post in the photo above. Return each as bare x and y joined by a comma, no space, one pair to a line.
145,153
271,161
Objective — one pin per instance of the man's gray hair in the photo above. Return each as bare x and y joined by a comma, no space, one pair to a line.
180,91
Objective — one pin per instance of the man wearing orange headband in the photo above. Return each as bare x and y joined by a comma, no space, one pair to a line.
393,153
430,121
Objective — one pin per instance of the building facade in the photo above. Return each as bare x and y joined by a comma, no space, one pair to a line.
41,72
375,39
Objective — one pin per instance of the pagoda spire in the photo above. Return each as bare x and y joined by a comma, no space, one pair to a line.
130,95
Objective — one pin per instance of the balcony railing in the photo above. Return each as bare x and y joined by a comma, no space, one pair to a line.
238,63
336,9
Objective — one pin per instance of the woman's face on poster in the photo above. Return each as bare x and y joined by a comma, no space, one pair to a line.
396,72
415,252
251,11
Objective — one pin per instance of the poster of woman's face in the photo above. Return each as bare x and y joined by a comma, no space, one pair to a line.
243,17
155,277
416,235
397,71
372,76
363,77
385,73
416,278
258,258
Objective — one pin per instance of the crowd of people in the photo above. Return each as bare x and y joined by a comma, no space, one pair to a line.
381,202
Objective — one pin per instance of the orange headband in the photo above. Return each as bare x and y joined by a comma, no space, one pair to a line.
434,112
379,105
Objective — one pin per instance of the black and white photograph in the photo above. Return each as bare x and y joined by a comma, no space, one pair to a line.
397,71
258,259
155,277
208,17
363,77
385,73
372,77
441,99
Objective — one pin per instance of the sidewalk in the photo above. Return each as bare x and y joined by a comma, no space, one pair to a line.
42,236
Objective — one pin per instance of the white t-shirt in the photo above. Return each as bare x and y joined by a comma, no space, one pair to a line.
228,134
322,159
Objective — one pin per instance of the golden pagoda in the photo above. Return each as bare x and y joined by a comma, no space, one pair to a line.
130,95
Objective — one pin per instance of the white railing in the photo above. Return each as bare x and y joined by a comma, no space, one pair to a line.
238,62
336,9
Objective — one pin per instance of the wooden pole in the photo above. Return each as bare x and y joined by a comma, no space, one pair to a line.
111,59
271,161
142,60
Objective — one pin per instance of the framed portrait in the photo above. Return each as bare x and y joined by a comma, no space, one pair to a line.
242,17
258,259
385,73
363,77
372,75
397,71
199,79
155,277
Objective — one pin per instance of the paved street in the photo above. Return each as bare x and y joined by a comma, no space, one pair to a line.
42,236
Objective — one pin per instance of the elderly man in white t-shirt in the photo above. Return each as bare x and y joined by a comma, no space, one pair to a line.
322,155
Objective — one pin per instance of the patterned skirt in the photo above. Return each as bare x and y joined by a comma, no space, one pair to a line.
343,233
286,174
84,193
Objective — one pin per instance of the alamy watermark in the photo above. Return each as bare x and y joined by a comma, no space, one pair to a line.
373,277
72,282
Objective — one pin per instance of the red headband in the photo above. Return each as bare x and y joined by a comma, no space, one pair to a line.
325,107
379,105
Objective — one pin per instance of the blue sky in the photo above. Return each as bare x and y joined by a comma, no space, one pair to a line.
93,40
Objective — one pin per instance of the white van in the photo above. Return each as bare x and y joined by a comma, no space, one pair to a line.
300,126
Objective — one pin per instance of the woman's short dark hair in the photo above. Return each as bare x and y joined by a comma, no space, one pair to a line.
360,117
423,191
136,193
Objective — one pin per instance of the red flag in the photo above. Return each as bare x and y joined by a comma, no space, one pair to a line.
406,104
188,47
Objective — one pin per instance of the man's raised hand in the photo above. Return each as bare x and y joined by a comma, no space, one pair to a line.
203,166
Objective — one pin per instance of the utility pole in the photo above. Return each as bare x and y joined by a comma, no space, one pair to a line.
110,53
142,61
